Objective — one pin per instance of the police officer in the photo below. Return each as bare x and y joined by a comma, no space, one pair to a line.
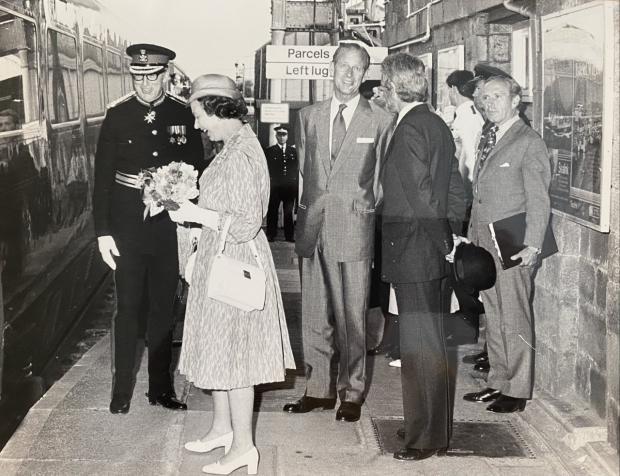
145,129
283,172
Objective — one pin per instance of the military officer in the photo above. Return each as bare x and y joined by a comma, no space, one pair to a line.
283,171
145,129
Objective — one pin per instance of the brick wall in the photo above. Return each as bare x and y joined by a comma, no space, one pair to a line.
576,302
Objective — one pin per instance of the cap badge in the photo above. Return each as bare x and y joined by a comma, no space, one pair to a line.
143,58
150,117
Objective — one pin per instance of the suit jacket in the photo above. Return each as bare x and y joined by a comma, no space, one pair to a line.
283,167
338,200
423,194
514,179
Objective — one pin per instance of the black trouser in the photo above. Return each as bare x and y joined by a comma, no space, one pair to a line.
286,194
145,289
425,379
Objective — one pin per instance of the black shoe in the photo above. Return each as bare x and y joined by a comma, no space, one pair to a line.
307,404
506,404
476,358
120,404
482,367
416,454
349,411
166,400
486,395
401,433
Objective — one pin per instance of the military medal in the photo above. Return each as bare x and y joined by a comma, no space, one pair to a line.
177,134
150,117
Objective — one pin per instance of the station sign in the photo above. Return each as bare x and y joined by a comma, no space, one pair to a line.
312,62
274,113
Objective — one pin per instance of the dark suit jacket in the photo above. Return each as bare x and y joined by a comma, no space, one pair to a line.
283,168
423,193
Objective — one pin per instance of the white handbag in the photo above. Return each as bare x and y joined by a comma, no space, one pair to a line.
234,282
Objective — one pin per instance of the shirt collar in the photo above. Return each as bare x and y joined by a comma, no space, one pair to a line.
406,108
351,104
501,130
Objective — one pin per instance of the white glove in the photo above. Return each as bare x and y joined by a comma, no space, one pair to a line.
458,240
107,248
189,212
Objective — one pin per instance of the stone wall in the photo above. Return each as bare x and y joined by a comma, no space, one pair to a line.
576,302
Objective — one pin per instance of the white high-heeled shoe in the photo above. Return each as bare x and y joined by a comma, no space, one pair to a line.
199,446
249,459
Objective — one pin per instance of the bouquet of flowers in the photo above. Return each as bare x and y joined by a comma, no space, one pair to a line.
164,188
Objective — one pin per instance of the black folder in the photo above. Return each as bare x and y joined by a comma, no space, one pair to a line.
508,235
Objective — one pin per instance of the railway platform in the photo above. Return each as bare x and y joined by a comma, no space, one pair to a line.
71,432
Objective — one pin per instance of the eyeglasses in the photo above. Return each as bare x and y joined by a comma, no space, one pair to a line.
140,77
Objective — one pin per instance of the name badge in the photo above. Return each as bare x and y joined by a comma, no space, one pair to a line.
365,140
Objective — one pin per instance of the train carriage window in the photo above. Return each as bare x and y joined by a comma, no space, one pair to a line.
62,88
127,77
115,80
94,100
18,72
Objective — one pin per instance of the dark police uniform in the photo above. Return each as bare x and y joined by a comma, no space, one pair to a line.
135,136
283,172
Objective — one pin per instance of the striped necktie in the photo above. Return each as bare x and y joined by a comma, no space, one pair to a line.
339,130
487,142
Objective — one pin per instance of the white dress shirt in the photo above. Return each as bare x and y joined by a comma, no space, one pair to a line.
406,108
501,130
466,129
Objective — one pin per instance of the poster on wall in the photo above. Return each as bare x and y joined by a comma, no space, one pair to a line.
448,59
427,59
578,111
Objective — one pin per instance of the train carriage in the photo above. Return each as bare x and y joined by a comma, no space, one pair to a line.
59,67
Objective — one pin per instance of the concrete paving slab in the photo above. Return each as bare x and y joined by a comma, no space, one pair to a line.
86,468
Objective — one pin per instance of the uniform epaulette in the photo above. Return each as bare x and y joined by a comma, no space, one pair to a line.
122,99
473,110
177,99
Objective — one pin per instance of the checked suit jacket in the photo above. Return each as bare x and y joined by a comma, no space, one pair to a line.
338,199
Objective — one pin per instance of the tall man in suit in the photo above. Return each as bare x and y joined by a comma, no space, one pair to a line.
147,128
423,192
511,176
283,172
340,142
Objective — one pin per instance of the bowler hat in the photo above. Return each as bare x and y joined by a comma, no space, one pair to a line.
474,267
214,85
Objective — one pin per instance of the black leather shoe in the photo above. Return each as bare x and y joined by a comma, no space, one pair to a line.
166,400
120,404
506,404
476,358
482,366
307,404
486,395
416,454
401,433
349,411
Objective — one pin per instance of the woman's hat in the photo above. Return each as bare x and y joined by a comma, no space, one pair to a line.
214,85
474,267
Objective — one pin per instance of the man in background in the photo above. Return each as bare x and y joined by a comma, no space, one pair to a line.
283,173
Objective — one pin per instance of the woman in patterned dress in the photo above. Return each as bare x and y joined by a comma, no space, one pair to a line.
224,348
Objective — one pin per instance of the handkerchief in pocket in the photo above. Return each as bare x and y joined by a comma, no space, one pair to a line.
365,140
505,164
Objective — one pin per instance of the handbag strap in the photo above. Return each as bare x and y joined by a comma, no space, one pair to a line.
222,242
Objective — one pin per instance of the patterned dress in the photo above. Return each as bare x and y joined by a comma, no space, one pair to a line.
225,347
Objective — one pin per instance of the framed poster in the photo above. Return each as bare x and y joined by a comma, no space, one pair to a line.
578,111
448,60
427,59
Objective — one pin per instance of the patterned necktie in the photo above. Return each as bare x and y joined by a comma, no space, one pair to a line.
487,142
339,130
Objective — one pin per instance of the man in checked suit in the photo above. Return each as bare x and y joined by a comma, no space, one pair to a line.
423,206
339,142
511,176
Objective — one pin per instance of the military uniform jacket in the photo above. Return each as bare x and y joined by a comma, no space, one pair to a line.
135,137
283,167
